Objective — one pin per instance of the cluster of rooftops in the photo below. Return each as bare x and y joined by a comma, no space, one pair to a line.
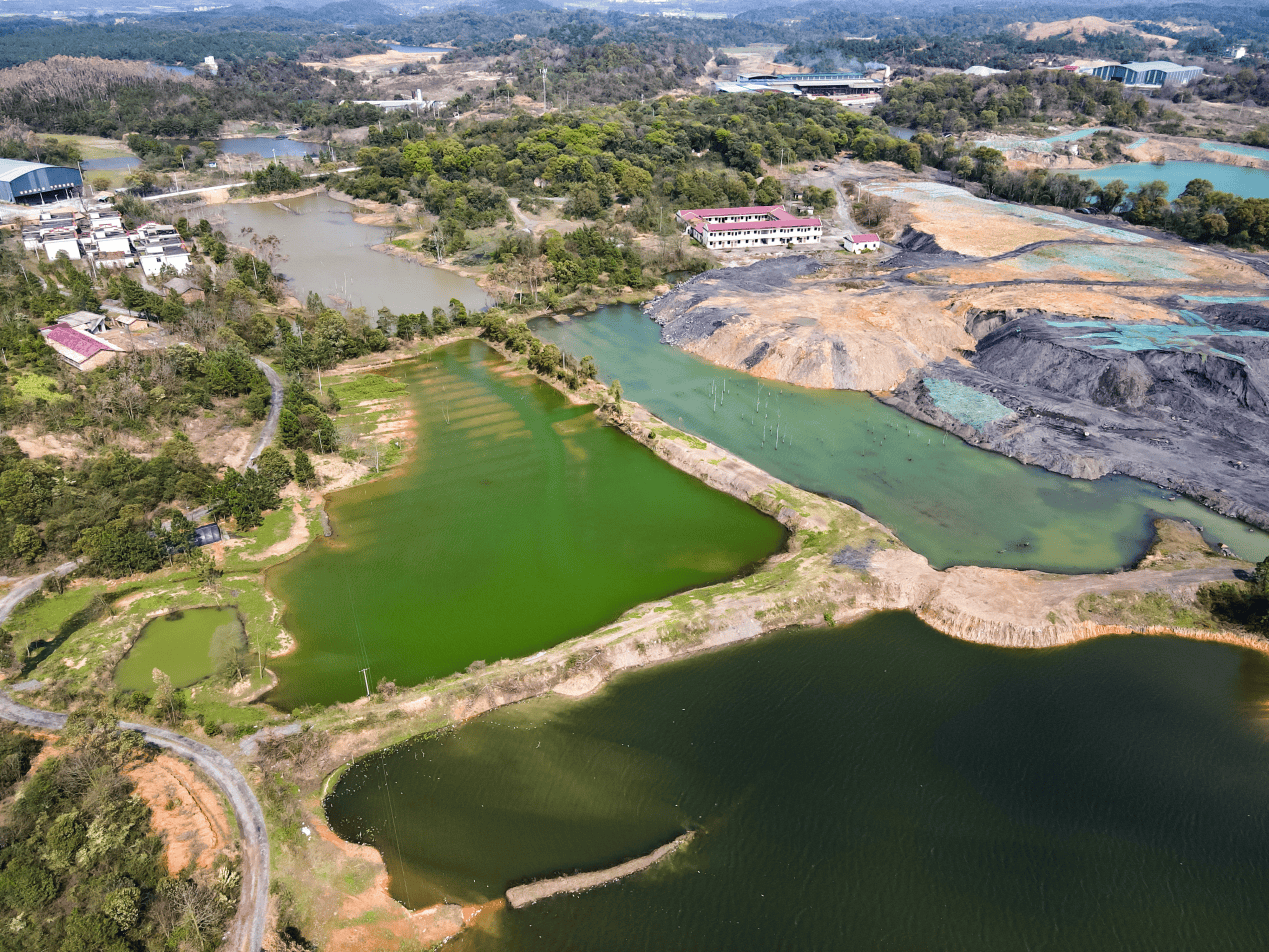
100,236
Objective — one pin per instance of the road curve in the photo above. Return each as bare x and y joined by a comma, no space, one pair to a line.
22,589
246,934
275,413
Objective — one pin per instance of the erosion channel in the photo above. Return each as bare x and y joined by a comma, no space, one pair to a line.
875,786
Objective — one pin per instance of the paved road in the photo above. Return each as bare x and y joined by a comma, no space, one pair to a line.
275,413
28,585
246,934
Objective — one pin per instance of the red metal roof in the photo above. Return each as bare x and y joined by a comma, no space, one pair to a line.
720,212
859,239
759,225
75,341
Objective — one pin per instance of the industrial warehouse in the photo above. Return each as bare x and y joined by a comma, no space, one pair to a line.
30,183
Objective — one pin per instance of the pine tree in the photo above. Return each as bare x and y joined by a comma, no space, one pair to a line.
305,475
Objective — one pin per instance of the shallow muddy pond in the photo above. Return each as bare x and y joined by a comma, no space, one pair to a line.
878,786
953,503
180,644
519,522
328,252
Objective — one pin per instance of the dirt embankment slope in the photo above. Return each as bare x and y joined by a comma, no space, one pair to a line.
1080,28
1107,349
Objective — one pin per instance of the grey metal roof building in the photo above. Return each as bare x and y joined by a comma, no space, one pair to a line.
30,183
1156,73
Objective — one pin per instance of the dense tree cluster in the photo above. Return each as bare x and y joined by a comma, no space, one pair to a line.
1245,604
98,508
95,96
599,157
80,866
275,177
1246,84
954,103
1200,213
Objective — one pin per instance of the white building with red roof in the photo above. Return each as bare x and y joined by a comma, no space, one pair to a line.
861,243
750,226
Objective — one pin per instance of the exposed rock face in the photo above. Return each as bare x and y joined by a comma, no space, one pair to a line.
791,319
1194,421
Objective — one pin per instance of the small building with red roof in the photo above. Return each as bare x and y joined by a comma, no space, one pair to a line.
80,349
861,243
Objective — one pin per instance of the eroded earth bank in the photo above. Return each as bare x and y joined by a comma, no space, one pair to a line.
1058,340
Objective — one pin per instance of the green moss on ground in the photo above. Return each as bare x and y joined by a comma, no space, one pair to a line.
1144,609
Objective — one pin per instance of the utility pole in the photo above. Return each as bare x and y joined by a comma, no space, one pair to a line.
365,677
544,87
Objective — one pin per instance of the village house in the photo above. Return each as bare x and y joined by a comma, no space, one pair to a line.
82,350
861,243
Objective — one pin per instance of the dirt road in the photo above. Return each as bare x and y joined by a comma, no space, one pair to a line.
22,589
246,933
275,413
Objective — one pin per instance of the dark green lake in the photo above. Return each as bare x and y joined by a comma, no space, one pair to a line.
952,502
178,644
519,522
877,786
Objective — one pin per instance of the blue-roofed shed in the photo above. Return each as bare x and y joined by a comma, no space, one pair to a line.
30,183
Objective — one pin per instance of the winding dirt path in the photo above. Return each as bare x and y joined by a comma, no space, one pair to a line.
246,933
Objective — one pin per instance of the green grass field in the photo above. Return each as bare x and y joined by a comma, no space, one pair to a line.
32,387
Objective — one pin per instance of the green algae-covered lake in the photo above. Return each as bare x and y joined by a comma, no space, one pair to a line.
878,786
520,522
952,502
179,644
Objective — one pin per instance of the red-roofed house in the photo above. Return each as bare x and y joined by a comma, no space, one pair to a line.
858,243
81,350
748,226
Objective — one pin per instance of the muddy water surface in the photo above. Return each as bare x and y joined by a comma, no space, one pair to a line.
327,252
179,644
951,502
520,521
878,786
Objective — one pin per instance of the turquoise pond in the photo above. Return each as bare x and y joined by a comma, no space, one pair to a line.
1194,336
1247,183
1250,151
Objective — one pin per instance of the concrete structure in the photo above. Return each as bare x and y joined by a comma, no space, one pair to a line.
31,183
1235,52
61,241
417,103
159,246
810,84
1156,73
861,243
210,63
748,227
81,350
85,321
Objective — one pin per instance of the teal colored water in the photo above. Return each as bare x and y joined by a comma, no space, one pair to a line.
519,522
1193,337
1247,183
1248,150
953,503
878,786
179,644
